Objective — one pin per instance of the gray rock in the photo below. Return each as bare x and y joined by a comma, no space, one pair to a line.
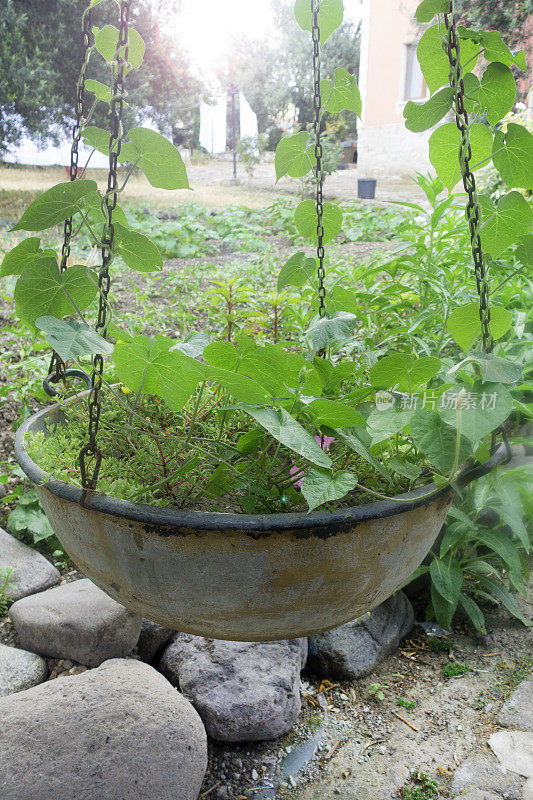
484,774
32,572
243,691
20,670
152,639
480,794
355,649
514,751
76,621
517,712
113,733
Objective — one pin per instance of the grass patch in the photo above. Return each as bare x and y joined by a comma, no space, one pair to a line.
455,670
423,787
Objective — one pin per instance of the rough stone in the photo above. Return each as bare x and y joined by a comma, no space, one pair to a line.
152,639
243,691
355,649
114,733
20,670
514,751
32,572
76,621
480,794
517,712
484,774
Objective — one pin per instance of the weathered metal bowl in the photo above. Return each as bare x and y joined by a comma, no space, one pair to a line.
237,576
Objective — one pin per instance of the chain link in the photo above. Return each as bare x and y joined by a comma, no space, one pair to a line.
91,449
469,182
57,367
317,104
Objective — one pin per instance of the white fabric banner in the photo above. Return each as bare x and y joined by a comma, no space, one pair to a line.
248,118
213,125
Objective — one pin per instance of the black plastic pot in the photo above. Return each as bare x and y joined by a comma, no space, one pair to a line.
366,188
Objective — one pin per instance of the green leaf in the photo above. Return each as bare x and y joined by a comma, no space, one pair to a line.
447,577
241,387
335,414
106,42
505,598
222,354
55,205
332,329
160,161
465,326
434,61
306,221
341,95
421,116
285,429
473,612
323,486
428,8
453,536
444,145
193,345
436,439
404,371
20,256
524,251
137,250
42,290
71,338
481,411
497,50
330,15
512,155
504,224
99,139
148,363
295,156
100,90
386,422
443,609
497,92
494,369
405,468
297,271
501,544
354,443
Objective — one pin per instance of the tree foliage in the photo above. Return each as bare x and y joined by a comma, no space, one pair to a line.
509,17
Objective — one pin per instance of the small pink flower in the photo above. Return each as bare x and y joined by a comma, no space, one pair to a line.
325,443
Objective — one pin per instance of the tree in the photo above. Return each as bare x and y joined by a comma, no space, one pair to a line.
509,17
277,75
40,51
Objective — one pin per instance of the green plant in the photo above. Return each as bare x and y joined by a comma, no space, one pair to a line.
5,587
425,788
249,149
375,690
455,670
403,703
357,402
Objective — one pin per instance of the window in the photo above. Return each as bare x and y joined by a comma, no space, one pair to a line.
414,84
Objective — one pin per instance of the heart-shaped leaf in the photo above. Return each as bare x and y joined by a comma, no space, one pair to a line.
137,250
71,338
321,486
434,60
330,15
297,271
341,95
160,161
54,205
332,329
497,91
477,412
306,221
436,439
403,371
444,145
512,155
505,223
428,8
335,414
421,116
295,156
100,90
20,256
106,42
465,326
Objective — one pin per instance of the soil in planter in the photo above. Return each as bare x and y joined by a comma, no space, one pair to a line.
222,462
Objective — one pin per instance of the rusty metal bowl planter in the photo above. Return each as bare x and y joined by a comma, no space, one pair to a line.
238,576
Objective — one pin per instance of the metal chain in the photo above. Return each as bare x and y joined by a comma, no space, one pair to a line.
469,182
91,449
317,103
57,367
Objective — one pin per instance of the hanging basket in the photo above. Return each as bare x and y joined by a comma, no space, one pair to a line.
237,576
